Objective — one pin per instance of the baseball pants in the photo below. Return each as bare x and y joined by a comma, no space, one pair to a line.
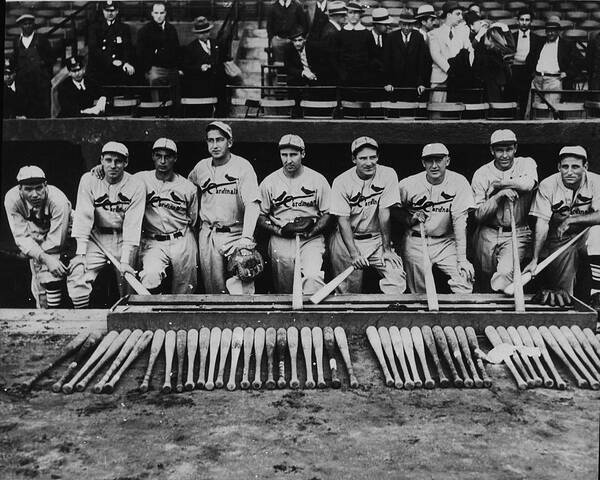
393,280
442,253
282,252
45,287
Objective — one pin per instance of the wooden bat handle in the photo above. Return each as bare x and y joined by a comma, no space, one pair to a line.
170,342
399,350
226,335
306,338
141,344
292,341
386,343
430,343
516,340
329,340
237,339
568,334
317,339
564,344
495,340
442,343
505,337
587,346
539,342
181,342
594,342
248,343
281,348
192,347
455,350
432,298
203,344
157,342
417,338
375,342
528,342
342,342
270,340
474,344
213,350
461,335
259,346
88,345
125,349
409,350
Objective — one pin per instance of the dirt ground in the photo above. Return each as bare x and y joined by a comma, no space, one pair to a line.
372,432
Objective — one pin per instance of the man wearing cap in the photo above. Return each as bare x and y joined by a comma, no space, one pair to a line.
39,216
33,58
426,20
111,208
565,204
110,60
79,96
285,16
229,208
16,101
361,199
381,25
507,181
440,199
327,67
406,56
298,60
295,203
170,219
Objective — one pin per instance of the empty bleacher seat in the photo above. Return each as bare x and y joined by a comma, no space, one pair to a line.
244,107
499,14
577,15
515,6
565,24
475,110
154,109
576,35
203,107
276,108
407,110
536,23
354,109
541,6
318,108
121,107
590,25
570,110
551,13
541,111
491,6
503,111
445,110
592,109
512,23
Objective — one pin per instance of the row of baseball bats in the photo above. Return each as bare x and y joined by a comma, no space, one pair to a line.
208,345
577,349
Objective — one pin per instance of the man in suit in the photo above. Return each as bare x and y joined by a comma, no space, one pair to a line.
16,101
298,60
284,17
327,69
77,94
317,18
405,59
381,25
427,20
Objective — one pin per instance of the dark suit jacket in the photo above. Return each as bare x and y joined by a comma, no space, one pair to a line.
44,50
72,100
535,45
16,103
282,21
319,21
157,47
293,64
197,83
570,61
105,45
406,64
377,68
326,66
355,51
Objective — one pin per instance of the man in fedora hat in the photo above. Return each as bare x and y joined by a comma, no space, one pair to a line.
284,17
426,20
299,60
77,95
381,25
327,67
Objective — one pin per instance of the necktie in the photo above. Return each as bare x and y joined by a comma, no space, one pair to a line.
450,35
524,35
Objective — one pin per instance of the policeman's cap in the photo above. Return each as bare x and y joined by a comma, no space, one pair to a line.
31,175
362,142
573,151
110,5
74,63
115,147
503,137
291,140
165,143
222,127
434,150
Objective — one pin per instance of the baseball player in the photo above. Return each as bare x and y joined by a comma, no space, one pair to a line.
229,208
39,216
506,179
295,201
112,209
565,204
361,199
441,200
171,215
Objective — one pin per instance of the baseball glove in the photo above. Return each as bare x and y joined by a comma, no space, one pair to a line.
299,225
245,263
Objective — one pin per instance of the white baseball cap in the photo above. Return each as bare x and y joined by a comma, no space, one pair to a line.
291,140
573,151
434,150
222,127
166,143
503,136
30,174
360,142
115,147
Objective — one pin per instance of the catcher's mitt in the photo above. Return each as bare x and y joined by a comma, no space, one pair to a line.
245,263
299,225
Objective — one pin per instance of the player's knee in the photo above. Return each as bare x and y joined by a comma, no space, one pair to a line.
152,278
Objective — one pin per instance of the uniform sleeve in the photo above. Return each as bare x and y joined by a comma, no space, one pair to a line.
248,186
403,192
339,204
265,197
193,206
390,195
542,204
18,226
479,188
324,196
595,193
83,218
464,200
132,221
60,212
528,177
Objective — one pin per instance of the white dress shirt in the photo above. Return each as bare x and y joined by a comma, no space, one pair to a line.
205,46
322,6
79,85
523,46
548,61
285,3
378,38
27,40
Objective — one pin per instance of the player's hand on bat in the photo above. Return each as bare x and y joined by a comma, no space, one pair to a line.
531,267
563,227
510,194
389,256
359,262
55,266
418,217
126,268
466,270
97,172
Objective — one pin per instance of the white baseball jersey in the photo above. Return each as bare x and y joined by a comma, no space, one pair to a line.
442,203
38,231
283,198
225,190
523,168
360,199
170,205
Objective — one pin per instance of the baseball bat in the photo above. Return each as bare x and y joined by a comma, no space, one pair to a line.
549,339
192,348
539,342
587,346
170,343
317,338
203,343
517,342
432,298
505,337
88,345
455,350
442,343
495,340
417,338
68,350
386,343
259,346
461,335
375,342
409,350
270,340
527,276
399,350
329,340
292,341
157,342
592,339
248,342
281,347
214,343
564,344
528,342
97,361
181,342
123,353
517,281
306,338
474,344
297,288
139,347
342,342
237,338
568,334
226,335
430,343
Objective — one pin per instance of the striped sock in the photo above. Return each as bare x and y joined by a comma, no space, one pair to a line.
81,302
53,298
595,267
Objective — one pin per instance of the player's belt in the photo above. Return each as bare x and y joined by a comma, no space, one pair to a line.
544,74
107,230
500,228
222,229
418,235
363,236
161,237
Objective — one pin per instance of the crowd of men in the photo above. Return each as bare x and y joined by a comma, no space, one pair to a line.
177,228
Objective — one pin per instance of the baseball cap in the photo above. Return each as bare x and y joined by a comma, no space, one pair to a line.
115,147
222,127
30,174
165,143
291,140
503,136
361,142
337,7
110,5
573,151
434,150
425,11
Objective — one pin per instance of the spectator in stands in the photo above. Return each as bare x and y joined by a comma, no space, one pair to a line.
593,64
327,69
298,60
110,49
556,61
34,59
475,8
317,18
381,25
426,20
284,17
79,96
159,53
405,59
16,101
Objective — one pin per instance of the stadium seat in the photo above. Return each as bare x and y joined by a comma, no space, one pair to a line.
592,109
121,107
536,23
487,6
576,35
503,111
244,107
499,14
567,6
590,6
541,6
570,110
276,108
515,6
512,23
154,109
318,109
406,110
475,110
590,25
445,111
198,107
577,15
415,5
566,24
354,110
541,111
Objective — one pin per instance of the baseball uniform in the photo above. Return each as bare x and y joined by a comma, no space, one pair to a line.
446,206
493,239
224,192
168,232
360,200
282,200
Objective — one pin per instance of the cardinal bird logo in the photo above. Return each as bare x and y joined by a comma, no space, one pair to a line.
105,203
284,199
359,199
209,185
171,202
425,205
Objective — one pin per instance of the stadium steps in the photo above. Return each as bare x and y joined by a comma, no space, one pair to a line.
251,55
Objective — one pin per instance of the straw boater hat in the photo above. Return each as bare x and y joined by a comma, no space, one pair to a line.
337,7
381,16
355,7
553,22
201,25
25,16
425,11
406,16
